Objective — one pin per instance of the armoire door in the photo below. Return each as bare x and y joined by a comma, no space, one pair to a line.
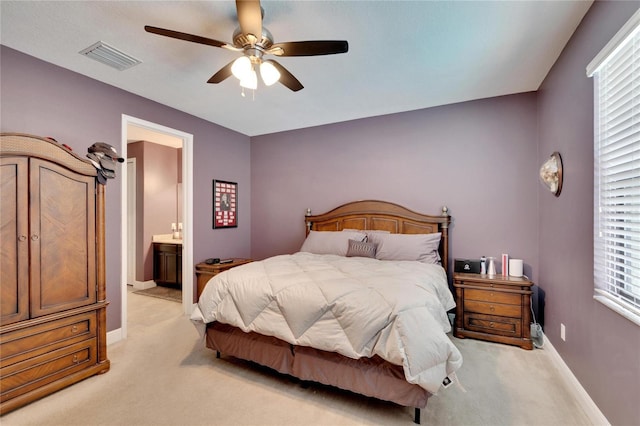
62,238
14,231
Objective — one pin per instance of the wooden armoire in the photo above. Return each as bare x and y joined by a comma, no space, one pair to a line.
52,269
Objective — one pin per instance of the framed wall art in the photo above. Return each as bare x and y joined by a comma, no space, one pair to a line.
225,204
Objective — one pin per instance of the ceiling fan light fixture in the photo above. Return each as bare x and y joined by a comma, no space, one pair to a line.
269,73
241,68
255,41
250,81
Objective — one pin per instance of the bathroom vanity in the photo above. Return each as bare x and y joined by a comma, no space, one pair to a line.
167,262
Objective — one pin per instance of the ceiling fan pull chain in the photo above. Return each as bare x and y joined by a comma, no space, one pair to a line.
253,93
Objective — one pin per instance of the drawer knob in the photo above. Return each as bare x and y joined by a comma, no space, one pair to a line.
74,329
491,324
76,359
22,238
35,237
492,308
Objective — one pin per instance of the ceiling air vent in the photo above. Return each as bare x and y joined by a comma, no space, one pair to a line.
109,55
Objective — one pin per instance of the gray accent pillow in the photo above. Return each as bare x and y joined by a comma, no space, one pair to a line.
361,249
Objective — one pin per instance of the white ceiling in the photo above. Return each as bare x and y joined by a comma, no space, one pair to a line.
403,55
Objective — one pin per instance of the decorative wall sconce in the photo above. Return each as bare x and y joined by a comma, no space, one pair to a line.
551,174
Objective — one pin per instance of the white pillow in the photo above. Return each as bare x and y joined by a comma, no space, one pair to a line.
373,232
368,231
330,242
420,247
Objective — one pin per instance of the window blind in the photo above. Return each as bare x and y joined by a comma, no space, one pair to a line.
617,178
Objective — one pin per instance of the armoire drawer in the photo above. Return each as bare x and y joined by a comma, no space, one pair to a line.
493,324
493,296
489,308
30,374
22,344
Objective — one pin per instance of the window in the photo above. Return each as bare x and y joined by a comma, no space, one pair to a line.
616,72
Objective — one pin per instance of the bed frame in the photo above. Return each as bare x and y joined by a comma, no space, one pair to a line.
372,377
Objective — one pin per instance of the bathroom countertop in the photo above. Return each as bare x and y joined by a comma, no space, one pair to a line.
166,239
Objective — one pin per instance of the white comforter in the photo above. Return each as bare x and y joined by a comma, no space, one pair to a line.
358,307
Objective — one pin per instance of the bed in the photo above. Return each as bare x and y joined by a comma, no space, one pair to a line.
370,261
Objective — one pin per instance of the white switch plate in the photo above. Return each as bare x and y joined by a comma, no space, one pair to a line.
562,332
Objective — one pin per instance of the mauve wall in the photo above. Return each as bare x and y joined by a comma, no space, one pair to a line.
42,99
601,347
477,158
157,199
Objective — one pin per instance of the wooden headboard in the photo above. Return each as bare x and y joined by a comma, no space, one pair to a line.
383,216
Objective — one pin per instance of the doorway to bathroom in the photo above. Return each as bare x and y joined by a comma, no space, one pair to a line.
166,154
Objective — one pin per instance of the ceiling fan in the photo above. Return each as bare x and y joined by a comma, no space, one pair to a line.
255,41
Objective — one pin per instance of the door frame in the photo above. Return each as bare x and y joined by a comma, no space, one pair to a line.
187,212
131,224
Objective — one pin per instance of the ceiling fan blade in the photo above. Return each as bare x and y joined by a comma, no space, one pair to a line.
189,37
223,74
286,78
250,17
309,48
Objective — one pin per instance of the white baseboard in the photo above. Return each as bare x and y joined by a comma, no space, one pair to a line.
114,336
589,407
143,285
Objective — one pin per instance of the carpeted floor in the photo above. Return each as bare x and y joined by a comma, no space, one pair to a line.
163,375
167,293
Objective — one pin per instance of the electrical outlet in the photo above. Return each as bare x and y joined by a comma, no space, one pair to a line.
563,332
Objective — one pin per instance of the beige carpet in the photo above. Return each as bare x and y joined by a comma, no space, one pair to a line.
162,375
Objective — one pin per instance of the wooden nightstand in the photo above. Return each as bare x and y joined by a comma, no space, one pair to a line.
204,271
494,308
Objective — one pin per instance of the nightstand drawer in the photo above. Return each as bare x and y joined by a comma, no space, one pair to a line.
493,296
493,308
493,324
